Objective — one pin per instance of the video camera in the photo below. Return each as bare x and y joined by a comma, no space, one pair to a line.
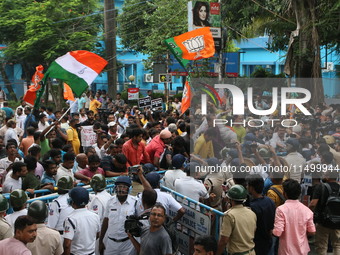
133,224
133,169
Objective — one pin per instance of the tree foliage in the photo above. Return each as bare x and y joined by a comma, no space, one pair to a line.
143,26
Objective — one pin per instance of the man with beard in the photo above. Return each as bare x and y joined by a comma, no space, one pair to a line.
118,207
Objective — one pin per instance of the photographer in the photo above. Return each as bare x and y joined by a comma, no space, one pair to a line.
156,239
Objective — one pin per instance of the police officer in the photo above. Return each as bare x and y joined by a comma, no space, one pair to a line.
99,201
5,228
59,208
48,241
118,207
239,225
17,199
81,227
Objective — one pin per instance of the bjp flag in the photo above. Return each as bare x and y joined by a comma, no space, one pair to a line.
186,96
31,93
68,94
193,45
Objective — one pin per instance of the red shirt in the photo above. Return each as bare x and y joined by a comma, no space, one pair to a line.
86,171
155,148
135,155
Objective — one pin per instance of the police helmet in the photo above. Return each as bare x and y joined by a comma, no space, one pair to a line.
65,183
123,180
18,198
79,196
265,153
98,182
237,193
38,210
3,203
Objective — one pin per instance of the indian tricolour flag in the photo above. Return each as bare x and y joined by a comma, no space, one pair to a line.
77,68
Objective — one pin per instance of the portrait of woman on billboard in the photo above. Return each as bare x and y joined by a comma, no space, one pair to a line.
201,14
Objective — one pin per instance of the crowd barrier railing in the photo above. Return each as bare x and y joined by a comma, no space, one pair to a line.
199,219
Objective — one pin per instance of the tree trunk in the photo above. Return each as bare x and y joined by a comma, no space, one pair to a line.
7,82
307,54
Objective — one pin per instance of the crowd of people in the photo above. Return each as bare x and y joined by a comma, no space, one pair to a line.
288,192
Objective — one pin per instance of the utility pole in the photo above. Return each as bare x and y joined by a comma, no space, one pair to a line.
110,26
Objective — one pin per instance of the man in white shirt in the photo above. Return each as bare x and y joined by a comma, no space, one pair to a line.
81,227
190,187
7,162
172,175
10,132
17,199
295,160
65,169
20,118
118,207
14,179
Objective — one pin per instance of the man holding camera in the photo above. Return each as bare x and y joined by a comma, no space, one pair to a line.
156,239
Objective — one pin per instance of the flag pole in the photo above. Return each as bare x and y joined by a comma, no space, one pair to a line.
66,111
75,101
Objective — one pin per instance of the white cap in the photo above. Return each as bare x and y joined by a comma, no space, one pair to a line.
111,124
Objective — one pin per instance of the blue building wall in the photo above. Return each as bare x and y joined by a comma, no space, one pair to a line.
254,52
132,65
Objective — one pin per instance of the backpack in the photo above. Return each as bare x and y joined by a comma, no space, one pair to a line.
280,195
331,211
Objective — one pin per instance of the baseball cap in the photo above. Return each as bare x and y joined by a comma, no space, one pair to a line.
153,178
297,129
165,134
178,161
111,124
293,142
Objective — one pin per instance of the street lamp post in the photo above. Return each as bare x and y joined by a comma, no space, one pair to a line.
131,79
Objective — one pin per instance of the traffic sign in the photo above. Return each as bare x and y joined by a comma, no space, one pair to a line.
164,77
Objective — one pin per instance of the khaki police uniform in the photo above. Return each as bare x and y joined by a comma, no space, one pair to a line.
5,229
118,242
48,241
239,224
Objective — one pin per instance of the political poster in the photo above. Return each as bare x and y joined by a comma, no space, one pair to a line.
88,136
144,102
133,93
157,103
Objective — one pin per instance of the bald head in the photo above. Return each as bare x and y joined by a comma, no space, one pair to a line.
82,160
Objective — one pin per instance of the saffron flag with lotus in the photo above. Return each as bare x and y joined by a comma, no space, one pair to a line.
193,45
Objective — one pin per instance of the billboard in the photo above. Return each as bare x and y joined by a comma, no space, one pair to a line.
205,14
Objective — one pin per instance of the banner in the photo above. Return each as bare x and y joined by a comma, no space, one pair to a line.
133,93
88,137
144,102
205,14
157,103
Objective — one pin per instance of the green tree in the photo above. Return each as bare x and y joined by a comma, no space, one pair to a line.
37,32
300,27
143,26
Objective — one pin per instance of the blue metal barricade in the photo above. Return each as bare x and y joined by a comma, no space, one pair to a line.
195,217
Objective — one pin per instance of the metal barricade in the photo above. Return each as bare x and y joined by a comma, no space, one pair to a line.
197,221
